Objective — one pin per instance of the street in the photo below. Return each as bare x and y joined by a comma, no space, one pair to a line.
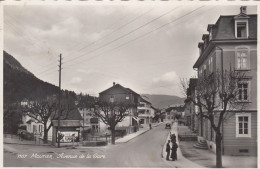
142,151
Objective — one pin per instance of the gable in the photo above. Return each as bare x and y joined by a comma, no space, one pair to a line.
117,89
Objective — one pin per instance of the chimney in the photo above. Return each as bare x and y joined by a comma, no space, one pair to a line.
114,83
243,9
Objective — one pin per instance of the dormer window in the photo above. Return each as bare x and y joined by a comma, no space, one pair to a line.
200,46
241,24
241,30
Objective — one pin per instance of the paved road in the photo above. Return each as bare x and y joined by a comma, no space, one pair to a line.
142,151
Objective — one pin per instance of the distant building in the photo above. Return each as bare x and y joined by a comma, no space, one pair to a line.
173,111
89,122
145,111
29,120
232,44
118,93
191,114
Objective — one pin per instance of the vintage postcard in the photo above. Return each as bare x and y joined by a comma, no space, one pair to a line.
140,84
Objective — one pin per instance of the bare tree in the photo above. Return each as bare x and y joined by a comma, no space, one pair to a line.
215,96
112,113
44,111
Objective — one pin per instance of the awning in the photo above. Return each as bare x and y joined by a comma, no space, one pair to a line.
136,119
67,123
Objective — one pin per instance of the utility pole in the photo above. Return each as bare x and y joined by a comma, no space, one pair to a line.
59,102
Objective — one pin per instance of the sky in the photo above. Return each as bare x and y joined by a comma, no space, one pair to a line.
145,48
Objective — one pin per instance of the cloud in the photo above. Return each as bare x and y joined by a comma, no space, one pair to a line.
76,80
168,77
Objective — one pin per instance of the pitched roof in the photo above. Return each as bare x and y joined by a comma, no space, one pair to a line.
225,26
143,100
127,90
224,30
72,115
132,91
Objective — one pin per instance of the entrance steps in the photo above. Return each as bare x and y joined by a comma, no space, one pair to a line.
201,145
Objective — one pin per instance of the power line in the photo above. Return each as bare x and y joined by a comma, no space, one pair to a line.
128,23
49,69
101,38
32,38
120,37
28,36
12,29
139,37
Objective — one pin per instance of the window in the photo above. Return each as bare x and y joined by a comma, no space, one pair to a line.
243,91
241,29
242,59
127,97
34,128
111,99
204,70
210,64
40,128
243,125
210,34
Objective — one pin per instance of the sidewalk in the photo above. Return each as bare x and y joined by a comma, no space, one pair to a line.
207,158
15,139
133,135
182,162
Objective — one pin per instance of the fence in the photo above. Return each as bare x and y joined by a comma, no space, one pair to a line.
107,138
23,139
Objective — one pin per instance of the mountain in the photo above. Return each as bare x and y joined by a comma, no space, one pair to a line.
11,62
21,84
162,101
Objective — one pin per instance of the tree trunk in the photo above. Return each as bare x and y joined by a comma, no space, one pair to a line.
201,125
218,150
45,134
113,135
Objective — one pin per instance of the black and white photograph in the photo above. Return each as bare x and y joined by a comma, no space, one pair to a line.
139,85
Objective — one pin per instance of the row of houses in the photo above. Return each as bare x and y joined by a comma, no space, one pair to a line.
140,115
231,44
173,112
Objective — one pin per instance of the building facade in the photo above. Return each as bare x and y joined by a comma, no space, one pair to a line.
191,111
232,45
120,94
145,112
174,112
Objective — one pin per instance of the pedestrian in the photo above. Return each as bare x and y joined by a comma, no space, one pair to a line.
174,151
150,125
173,138
168,149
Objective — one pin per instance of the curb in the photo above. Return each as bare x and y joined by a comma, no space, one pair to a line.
29,144
164,144
134,137
140,134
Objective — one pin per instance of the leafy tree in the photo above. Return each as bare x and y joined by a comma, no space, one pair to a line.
216,94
